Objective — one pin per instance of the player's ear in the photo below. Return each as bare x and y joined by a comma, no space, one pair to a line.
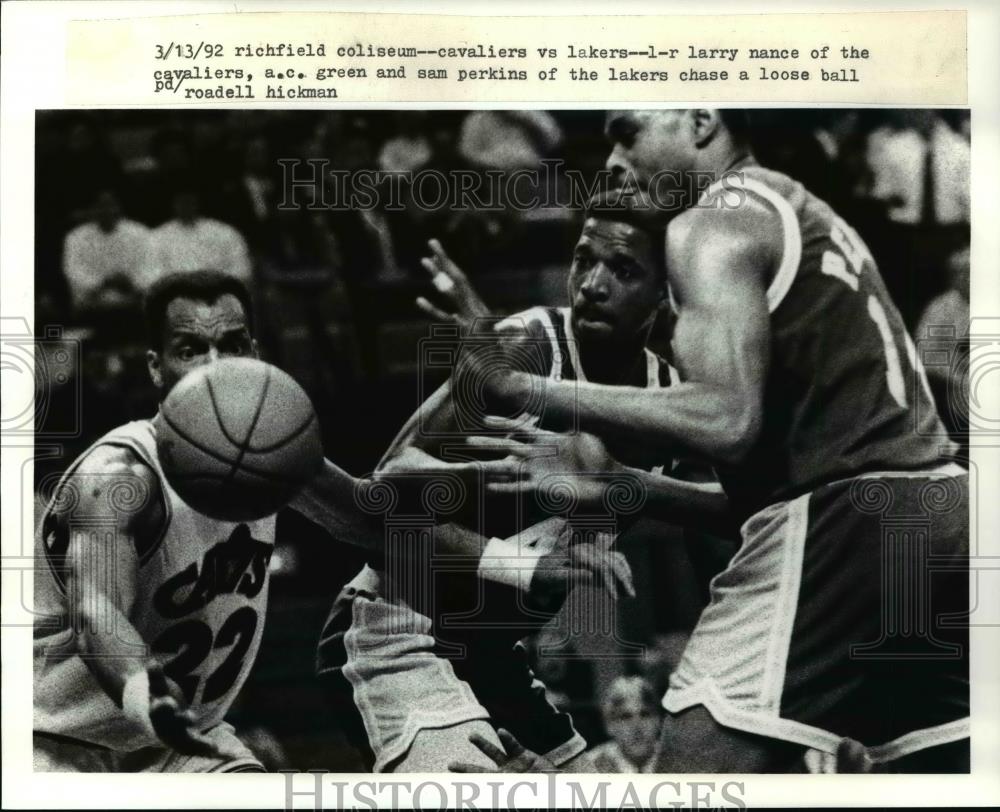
663,303
155,369
704,125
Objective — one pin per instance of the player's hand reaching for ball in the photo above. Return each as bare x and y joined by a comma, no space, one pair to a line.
573,471
486,373
580,564
172,720
463,303
513,758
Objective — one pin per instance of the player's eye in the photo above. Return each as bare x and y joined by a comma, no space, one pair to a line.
235,345
186,352
625,271
623,131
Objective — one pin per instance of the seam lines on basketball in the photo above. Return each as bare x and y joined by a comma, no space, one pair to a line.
263,449
218,417
217,456
253,423
274,479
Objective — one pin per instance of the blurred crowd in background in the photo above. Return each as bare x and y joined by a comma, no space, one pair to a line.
122,197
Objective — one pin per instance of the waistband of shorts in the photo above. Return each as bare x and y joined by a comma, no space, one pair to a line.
947,469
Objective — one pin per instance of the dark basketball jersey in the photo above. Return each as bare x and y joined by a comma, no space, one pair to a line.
558,356
845,392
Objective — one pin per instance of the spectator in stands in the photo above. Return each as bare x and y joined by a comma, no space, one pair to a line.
191,242
87,165
410,149
917,170
174,166
108,260
508,139
920,168
252,197
632,717
944,325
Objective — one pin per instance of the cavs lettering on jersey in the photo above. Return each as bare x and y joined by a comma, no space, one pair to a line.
845,392
200,603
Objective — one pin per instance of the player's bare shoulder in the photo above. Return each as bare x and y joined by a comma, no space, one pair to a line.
528,335
523,327
112,483
728,229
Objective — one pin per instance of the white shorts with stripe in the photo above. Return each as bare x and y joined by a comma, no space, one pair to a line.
402,685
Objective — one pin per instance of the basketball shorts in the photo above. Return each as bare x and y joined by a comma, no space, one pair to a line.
844,613
54,753
384,656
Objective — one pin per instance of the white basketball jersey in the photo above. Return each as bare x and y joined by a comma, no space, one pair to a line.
202,594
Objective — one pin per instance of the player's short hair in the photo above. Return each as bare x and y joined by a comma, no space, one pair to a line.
636,210
203,286
738,124
624,689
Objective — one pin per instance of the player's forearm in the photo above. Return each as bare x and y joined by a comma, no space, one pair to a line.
350,509
701,505
108,643
331,501
710,420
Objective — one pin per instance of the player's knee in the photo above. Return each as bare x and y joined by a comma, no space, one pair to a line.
692,741
434,749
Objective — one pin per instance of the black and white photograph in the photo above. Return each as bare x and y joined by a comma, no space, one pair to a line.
502,440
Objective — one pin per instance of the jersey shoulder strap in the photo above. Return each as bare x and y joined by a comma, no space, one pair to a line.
550,322
784,196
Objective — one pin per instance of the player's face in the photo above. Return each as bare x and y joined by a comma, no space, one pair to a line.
635,727
615,287
198,333
647,142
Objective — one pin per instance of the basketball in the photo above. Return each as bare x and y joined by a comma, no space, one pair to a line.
237,439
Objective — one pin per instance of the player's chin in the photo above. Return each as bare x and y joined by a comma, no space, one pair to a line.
591,327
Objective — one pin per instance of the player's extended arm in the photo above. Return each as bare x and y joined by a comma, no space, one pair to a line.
580,464
718,263
701,505
102,567
329,500
334,501
115,490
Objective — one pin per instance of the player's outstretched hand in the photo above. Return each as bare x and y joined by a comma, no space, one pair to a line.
578,565
172,720
464,304
576,465
514,758
414,468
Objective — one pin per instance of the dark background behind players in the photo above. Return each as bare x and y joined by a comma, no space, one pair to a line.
335,291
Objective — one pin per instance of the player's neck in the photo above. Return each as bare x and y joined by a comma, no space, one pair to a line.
729,159
612,363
